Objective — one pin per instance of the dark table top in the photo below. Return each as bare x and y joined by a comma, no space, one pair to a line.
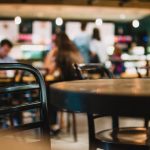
104,96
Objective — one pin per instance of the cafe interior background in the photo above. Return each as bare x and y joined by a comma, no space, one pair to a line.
31,24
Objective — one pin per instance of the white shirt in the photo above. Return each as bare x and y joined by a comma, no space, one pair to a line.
99,48
7,59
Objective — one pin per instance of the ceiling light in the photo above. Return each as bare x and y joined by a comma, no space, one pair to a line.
18,20
135,23
59,21
98,21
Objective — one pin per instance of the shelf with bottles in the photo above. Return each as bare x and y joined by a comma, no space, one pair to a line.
136,61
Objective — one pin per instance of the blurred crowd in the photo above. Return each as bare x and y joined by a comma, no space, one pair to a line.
84,48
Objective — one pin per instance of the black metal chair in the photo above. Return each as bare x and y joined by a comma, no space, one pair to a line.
91,68
115,138
40,103
71,117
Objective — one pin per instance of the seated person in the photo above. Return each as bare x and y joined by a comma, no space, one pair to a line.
60,60
62,56
5,48
117,64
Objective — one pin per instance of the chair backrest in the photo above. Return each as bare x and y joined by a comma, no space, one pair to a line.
41,103
104,73
92,68
147,68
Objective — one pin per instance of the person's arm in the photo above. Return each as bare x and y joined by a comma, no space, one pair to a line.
49,61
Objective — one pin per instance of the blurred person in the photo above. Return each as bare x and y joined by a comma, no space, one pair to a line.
63,55
82,41
5,48
97,48
117,63
60,59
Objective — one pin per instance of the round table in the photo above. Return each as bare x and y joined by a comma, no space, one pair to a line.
126,97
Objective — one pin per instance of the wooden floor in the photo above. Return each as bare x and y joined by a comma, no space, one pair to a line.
65,141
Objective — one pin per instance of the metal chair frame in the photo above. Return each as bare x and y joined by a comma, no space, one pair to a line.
43,124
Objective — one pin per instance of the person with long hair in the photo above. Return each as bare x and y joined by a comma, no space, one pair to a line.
82,41
98,48
62,57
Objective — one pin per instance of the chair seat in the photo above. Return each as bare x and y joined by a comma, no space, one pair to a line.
125,136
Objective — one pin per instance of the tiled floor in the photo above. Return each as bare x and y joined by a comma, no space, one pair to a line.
65,142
